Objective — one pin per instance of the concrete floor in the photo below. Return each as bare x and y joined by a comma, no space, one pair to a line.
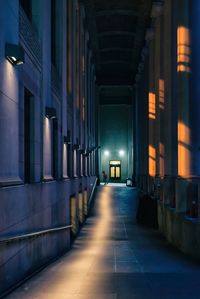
114,258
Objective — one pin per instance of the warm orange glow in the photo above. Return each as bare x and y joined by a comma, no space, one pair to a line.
161,94
152,105
183,49
162,158
83,108
183,68
80,207
73,215
152,161
184,154
64,160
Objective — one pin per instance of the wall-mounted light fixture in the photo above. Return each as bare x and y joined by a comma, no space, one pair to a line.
14,54
50,112
67,140
121,153
106,153
76,147
82,151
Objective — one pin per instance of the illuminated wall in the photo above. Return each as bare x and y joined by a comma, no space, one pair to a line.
184,153
183,49
152,105
65,160
47,149
9,97
152,161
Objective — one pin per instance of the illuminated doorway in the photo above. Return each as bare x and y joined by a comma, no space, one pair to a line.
115,170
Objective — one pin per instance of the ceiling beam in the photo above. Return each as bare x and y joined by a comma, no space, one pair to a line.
115,62
115,33
116,49
117,12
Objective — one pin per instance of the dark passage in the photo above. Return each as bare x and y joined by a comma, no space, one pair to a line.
114,258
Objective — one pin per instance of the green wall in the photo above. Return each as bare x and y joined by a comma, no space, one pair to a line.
116,134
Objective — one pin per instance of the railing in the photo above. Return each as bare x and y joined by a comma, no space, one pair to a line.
33,234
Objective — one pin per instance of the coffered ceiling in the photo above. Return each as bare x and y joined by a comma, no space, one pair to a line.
117,30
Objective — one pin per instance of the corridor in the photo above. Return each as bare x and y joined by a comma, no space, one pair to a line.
115,258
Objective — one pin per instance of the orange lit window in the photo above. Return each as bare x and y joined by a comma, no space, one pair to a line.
183,150
152,105
161,94
152,161
162,158
183,49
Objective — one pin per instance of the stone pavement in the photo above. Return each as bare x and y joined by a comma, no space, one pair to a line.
114,258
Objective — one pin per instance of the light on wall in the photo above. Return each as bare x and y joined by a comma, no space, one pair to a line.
14,54
121,153
106,153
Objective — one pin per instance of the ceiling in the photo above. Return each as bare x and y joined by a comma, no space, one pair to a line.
117,30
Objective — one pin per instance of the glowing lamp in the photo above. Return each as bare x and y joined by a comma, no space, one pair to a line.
121,153
106,153
14,54
50,112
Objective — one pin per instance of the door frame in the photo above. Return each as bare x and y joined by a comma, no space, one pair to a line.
114,165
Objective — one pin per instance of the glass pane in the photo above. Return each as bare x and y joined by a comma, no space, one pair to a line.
117,172
115,162
112,172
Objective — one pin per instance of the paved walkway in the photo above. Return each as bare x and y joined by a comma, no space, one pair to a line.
114,258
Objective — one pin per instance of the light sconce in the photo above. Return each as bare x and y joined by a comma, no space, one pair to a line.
82,151
76,147
67,140
14,54
50,112
121,153
106,153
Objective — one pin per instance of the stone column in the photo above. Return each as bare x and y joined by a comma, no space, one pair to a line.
185,129
9,97
170,102
195,87
152,118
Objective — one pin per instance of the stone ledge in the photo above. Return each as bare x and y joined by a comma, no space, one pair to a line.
10,181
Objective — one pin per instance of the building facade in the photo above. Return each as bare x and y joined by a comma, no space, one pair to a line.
48,141
166,112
